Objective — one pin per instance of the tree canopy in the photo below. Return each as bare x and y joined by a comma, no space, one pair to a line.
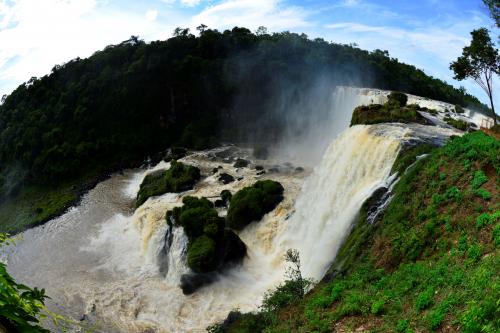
479,61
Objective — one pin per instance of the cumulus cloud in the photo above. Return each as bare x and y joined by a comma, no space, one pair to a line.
37,34
252,14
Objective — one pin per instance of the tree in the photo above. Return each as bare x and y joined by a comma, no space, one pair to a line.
479,61
494,7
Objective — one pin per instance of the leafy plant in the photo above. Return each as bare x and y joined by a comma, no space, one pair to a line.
20,305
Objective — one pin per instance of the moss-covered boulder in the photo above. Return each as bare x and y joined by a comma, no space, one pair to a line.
398,97
253,202
178,178
210,246
387,113
201,254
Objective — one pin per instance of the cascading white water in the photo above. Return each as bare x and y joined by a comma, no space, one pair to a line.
353,167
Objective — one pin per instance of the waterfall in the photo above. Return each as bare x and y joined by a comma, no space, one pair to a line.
353,167
126,266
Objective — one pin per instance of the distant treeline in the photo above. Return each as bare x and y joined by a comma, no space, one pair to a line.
136,98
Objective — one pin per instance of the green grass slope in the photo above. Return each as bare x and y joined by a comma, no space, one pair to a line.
430,263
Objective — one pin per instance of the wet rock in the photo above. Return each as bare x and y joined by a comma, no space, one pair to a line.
226,178
193,281
241,163
233,249
259,167
219,203
274,170
239,178
299,169
261,172
226,196
178,153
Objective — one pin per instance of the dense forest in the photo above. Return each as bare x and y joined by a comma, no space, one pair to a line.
135,98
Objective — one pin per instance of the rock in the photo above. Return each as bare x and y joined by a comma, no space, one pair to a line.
241,163
233,249
226,178
259,167
178,152
274,170
261,172
299,169
226,196
193,281
219,203
253,202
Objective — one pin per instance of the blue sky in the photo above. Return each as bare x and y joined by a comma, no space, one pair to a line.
37,34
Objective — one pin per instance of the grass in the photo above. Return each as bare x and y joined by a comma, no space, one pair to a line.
428,265
36,204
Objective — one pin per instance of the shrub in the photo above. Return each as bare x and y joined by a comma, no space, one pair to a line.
482,193
179,177
378,307
398,97
251,203
479,179
457,123
20,305
402,325
474,252
201,254
424,299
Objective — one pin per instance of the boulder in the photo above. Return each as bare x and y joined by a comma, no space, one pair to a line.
241,163
226,178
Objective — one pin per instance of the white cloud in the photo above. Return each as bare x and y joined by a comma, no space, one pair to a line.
37,34
252,14
190,3
151,15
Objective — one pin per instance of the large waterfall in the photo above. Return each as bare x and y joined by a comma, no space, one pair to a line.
118,271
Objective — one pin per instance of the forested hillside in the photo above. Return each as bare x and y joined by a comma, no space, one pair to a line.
95,115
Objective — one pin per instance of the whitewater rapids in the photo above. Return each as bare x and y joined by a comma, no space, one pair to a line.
109,269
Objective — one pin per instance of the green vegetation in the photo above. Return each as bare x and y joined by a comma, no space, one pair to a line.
210,245
479,61
457,123
92,116
459,109
426,265
178,178
398,97
253,202
20,305
394,110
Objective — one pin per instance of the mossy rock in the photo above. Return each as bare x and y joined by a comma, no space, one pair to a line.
178,178
398,97
387,113
200,221
201,254
253,202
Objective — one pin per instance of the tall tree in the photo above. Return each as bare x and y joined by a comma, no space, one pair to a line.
494,7
479,61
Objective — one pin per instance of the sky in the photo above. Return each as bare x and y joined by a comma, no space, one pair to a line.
35,35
